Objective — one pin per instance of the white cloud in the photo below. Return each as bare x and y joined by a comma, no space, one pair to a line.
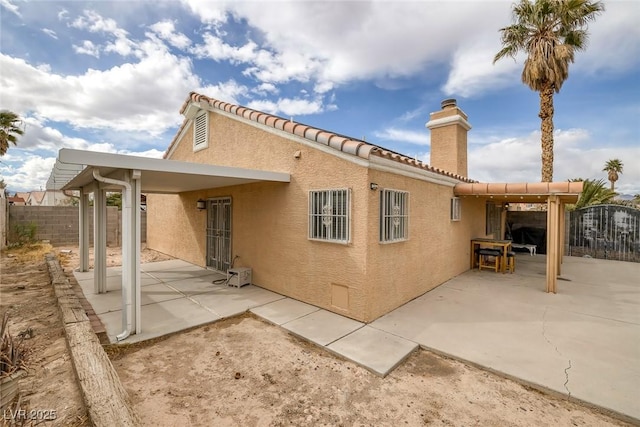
265,88
518,160
215,48
29,174
10,7
473,72
166,30
613,47
208,12
50,33
225,91
95,23
288,107
87,48
403,135
123,98
354,42
613,41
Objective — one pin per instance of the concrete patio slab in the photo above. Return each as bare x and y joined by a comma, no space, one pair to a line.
84,275
322,327
181,273
112,300
376,350
228,301
582,341
284,310
114,282
160,319
164,265
197,285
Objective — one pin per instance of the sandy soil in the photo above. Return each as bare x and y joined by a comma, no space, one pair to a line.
50,386
243,371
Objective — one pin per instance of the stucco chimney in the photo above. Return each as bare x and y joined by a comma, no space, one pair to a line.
449,128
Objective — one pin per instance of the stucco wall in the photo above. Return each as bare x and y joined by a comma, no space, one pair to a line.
270,220
437,249
363,279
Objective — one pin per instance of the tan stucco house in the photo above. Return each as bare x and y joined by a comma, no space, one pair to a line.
333,221
358,230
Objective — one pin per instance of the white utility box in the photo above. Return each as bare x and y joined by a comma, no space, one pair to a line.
238,277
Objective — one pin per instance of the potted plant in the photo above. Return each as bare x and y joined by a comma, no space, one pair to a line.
12,363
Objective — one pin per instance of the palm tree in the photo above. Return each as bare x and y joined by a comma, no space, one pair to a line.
549,32
594,192
613,167
9,129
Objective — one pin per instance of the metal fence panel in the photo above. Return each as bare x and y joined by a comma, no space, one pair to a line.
605,232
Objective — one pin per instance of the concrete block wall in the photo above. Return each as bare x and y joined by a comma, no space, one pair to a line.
59,224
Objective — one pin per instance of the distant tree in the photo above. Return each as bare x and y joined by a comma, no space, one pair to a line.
114,199
594,192
549,32
9,130
613,167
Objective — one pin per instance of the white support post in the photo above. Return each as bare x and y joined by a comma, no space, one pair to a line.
99,241
84,231
135,180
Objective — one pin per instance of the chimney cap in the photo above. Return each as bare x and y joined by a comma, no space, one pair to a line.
451,102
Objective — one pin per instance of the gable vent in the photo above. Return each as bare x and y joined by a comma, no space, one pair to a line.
200,134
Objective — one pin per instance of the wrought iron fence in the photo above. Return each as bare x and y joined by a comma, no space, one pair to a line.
605,232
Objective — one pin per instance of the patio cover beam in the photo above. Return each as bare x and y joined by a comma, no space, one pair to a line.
97,173
554,194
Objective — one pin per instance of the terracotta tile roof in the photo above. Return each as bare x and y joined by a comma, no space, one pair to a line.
339,142
521,192
518,188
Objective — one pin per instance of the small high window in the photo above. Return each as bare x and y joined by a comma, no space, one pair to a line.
394,216
455,209
201,131
329,215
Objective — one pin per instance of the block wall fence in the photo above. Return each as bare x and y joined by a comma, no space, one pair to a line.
59,224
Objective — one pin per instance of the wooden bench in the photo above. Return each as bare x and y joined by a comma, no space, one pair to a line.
531,248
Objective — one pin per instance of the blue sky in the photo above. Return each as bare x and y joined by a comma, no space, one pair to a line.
112,75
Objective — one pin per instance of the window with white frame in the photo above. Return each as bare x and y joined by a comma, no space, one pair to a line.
329,215
394,216
455,209
201,131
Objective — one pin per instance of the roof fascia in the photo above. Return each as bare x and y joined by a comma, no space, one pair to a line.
391,166
183,131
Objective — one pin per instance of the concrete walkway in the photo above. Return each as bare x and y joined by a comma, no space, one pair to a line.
583,341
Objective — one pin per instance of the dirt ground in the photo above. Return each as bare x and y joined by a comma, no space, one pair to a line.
50,385
244,371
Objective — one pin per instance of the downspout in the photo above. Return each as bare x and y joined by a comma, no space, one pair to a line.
126,285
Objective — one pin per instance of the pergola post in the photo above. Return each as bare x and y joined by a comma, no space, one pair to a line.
83,228
552,243
99,240
561,234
